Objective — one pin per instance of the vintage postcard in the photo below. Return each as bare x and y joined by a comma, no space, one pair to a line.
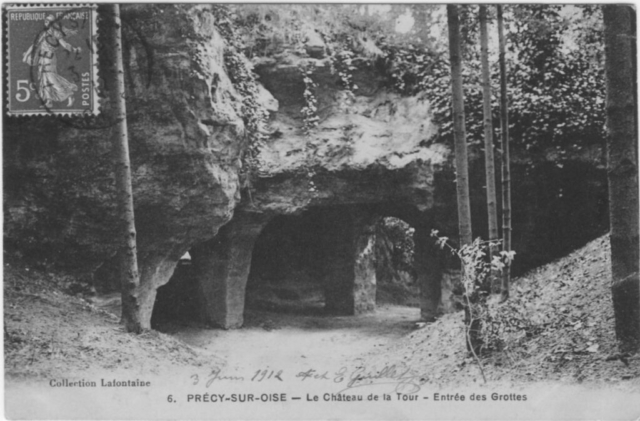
320,211
52,60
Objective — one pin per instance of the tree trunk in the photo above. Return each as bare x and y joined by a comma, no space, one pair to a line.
462,170
622,169
506,170
472,332
492,211
130,278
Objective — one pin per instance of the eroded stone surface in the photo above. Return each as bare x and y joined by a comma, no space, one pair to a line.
346,256
370,146
221,267
364,283
184,142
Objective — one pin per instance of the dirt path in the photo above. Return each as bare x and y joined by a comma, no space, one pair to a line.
50,334
290,339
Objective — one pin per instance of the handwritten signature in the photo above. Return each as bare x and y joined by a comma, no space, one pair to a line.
401,376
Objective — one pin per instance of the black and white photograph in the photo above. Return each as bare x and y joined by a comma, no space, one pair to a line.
320,211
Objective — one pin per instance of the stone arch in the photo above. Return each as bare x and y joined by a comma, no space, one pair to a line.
285,269
344,259
430,263
330,248
338,244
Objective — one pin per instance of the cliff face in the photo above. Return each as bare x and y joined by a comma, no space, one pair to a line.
369,146
185,141
186,138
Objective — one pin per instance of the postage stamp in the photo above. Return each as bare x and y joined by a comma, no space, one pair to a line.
52,60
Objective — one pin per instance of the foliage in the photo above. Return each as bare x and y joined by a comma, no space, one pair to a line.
476,266
342,63
501,321
244,81
559,88
554,62
485,326
311,120
348,31
394,243
310,110
269,29
555,72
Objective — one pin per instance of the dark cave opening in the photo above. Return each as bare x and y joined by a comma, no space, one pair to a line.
338,260
178,301
286,272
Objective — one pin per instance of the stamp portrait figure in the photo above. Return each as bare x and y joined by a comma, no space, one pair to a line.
51,86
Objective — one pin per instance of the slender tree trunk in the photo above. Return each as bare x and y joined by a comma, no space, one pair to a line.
462,169
490,172
506,166
472,322
622,167
130,278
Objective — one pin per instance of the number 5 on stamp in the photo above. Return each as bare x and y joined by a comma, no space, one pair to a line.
53,62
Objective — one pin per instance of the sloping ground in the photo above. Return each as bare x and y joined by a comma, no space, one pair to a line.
49,333
565,305
570,337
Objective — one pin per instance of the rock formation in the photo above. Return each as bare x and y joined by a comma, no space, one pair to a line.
186,139
372,154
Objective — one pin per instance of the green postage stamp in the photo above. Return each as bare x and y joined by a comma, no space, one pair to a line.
52,59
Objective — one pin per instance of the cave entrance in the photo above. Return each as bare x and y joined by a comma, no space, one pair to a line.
338,260
397,280
286,273
324,261
178,301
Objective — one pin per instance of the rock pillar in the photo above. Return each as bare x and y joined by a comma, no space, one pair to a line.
429,268
154,272
222,266
347,252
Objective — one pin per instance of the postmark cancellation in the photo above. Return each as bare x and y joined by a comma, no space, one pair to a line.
52,63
